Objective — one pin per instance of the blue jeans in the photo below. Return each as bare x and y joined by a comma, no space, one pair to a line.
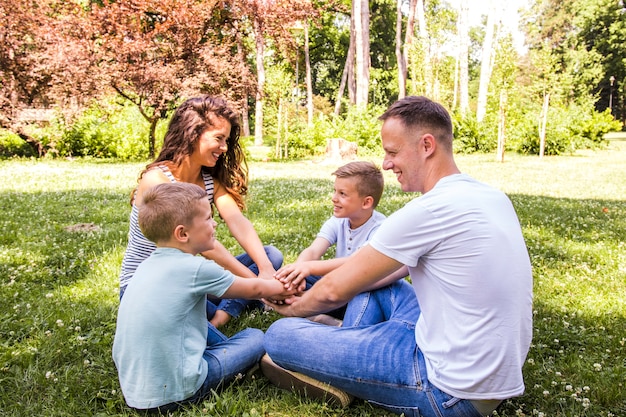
226,357
373,356
234,307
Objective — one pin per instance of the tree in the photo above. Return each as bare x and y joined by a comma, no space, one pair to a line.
486,63
39,66
271,19
360,16
154,53
463,56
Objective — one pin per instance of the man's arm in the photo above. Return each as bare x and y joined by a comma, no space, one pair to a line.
360,272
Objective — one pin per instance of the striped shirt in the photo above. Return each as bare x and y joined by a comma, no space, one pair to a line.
139,248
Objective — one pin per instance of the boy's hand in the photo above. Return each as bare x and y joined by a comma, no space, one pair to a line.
293,275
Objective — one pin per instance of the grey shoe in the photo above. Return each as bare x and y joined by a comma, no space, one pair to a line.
303,384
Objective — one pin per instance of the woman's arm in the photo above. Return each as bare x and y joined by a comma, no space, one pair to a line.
242,230
226,260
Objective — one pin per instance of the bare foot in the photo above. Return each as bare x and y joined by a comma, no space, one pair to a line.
220,318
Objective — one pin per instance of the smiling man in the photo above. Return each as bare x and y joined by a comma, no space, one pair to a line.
463,246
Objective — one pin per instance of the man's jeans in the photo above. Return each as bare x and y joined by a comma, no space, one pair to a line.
373,356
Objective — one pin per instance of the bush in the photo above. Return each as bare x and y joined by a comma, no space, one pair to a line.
107,130
13,145
469,136
358,126
568,129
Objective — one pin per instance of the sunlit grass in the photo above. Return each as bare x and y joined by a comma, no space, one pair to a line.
63,231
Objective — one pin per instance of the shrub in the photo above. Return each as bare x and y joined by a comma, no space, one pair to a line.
469,137
13,145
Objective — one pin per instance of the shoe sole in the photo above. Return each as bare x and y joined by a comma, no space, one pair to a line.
302,384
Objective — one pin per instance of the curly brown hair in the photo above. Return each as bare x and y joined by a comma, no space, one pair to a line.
190,120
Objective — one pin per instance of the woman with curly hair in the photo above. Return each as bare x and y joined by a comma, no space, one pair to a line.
202,147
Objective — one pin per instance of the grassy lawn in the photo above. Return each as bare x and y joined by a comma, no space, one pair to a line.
63,231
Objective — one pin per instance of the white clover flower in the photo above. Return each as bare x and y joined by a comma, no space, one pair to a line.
597,366
49,375
60,323
586,388
557,373
531,361
49,295
546,392
568,387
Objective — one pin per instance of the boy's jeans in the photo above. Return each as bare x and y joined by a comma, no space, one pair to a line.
227,357
373,356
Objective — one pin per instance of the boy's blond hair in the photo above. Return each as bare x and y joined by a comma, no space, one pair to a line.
370,181
166,206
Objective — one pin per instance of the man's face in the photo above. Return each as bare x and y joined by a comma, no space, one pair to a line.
402,154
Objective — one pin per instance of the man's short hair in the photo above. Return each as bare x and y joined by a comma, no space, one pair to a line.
370,181
166,206
419,113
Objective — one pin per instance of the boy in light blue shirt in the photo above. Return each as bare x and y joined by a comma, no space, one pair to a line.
165,350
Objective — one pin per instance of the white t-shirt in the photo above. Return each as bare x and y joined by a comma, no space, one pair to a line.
471,272
337,231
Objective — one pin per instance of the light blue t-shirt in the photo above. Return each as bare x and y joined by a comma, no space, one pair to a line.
337,231
162,327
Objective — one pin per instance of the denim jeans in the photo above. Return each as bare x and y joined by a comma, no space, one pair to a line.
373,356
226,357
234,307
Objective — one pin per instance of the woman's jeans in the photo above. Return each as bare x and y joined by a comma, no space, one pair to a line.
227,358
373,356
234,307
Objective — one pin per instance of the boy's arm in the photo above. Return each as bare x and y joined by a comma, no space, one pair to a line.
257,288
315,251
293,274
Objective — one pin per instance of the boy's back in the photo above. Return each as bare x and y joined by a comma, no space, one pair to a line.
161,330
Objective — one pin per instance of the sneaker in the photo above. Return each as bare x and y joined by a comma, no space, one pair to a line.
326,319
303,384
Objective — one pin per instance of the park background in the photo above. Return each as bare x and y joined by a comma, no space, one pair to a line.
87,88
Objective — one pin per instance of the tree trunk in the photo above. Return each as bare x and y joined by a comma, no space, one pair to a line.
501,126
260,68
463,28
409,35
399,55
342,85
245,116
420,12
309,82
361,29
485,65
544,124
350,64
152,135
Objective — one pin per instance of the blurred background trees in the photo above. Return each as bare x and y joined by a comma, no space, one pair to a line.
101,77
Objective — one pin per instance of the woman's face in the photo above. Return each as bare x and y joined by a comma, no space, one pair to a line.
212,143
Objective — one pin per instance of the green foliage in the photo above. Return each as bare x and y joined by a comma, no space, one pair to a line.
12,145
568,129
358,126
469,137
107,130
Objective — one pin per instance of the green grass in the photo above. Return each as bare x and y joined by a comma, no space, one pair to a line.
58,282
